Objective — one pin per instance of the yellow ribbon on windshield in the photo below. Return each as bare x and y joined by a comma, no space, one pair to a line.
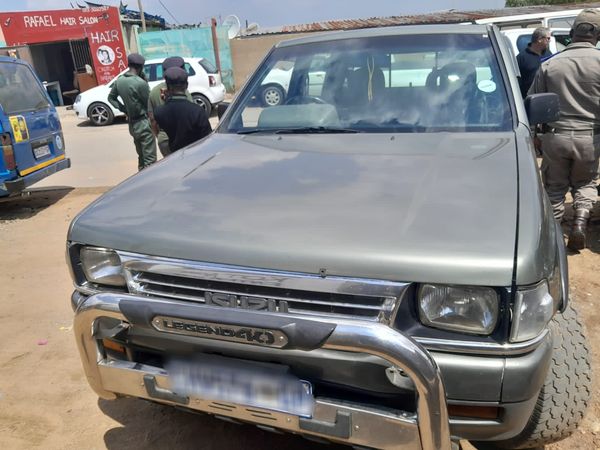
371,68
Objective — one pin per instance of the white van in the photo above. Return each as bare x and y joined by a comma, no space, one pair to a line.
520,37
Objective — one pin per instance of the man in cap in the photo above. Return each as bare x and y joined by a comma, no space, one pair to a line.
157,98
134,91
572,144
529,59
184,122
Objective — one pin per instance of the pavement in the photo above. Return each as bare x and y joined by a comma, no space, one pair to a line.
100,156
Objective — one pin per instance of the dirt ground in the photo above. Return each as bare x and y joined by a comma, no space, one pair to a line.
45,401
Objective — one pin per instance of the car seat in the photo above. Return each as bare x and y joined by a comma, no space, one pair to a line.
454,96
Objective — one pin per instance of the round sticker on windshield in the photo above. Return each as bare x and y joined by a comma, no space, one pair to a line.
486,86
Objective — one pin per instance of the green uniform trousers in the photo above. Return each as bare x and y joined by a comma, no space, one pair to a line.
145,145
570,162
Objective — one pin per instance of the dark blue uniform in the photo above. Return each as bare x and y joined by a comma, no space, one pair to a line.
529,63
183,121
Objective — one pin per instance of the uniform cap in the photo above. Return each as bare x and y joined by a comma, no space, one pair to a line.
135,59
588,16
176,76
173,61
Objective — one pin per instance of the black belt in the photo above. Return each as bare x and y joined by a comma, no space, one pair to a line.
591,132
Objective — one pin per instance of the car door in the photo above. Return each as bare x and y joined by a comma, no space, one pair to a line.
28,118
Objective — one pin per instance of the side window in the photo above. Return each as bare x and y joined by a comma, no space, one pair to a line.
189,69
522,42
208,66
150,72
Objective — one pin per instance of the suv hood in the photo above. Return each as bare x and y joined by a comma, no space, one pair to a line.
433,207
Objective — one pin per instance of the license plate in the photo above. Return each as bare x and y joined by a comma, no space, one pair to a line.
40,152
265,386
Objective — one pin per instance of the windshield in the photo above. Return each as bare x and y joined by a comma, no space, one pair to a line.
406,83
20,91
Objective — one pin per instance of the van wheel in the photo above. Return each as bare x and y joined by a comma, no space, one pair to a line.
203,101
566,392
100,114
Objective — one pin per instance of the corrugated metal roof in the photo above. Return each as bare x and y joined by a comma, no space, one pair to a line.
451,16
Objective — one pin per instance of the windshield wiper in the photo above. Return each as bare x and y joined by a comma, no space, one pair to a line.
300,130
254,132
316,130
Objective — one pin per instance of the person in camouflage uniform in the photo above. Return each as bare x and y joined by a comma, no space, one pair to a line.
571,145
133,89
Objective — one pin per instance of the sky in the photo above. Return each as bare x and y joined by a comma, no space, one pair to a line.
269,13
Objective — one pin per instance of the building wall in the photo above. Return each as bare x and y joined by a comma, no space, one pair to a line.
247,53
20,52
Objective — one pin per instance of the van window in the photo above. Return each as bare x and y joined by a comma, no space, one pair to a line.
20,91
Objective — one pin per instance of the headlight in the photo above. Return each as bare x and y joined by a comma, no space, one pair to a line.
467,309
102,266
78,98
534,308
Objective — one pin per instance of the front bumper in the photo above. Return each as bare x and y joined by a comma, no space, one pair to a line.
21,183
334,420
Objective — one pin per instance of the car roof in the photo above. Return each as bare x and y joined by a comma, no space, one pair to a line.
388,31
185,58
521,31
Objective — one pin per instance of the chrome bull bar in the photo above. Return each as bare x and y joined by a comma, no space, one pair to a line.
334,420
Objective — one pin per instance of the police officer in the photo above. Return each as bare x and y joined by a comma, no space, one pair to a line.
133,89
184,122
157,98
572,144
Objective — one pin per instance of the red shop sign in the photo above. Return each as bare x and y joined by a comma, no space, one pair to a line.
101,26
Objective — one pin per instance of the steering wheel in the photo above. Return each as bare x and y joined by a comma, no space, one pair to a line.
305,100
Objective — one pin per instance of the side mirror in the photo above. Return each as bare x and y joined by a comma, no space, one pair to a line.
542,108
221,108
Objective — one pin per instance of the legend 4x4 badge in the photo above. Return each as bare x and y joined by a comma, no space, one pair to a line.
209,330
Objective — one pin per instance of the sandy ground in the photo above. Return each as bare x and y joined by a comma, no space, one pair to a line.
45,401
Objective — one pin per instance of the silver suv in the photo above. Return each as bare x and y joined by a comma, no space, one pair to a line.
373,261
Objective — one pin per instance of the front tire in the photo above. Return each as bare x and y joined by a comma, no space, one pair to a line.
204,102
100,114
566,392
272,95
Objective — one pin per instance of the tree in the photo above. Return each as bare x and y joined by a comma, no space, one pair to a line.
539,2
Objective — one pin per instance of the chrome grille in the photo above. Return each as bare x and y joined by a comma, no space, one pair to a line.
292,293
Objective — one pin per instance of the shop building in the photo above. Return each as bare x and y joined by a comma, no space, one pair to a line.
71,50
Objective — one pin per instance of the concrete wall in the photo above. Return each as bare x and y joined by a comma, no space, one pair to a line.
247,53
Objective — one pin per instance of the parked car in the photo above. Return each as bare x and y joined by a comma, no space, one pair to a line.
275,85
31,139
204,80
372,262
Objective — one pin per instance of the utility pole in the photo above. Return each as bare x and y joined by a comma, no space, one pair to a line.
213,26
141,8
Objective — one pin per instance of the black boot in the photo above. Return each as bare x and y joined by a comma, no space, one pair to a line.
577,234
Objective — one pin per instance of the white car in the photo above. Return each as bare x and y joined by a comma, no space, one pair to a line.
204,84
276,84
